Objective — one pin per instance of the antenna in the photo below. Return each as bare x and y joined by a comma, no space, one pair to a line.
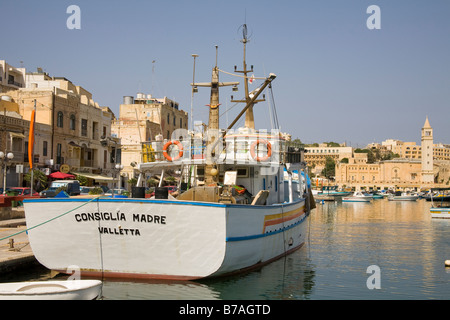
194,89
244,32
153,74
245,36
217,50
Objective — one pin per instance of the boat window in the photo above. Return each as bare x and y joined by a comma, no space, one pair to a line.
200,171
242,172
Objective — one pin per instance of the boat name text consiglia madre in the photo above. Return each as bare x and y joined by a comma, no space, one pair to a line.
119,216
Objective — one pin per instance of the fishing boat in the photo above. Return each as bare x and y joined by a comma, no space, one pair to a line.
403,196
440,204
330,193
438,194
357,197
51,290
235,209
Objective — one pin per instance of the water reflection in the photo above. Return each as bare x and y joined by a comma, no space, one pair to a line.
345,238
399,237
290,278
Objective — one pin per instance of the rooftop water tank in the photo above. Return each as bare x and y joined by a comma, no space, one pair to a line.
128,100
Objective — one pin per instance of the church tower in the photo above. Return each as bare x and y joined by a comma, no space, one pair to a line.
427,153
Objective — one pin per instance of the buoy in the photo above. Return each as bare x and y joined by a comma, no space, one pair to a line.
447,263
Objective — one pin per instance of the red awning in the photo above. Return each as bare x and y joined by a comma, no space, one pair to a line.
60,175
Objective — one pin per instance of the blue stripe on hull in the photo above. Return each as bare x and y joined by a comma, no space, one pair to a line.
267,234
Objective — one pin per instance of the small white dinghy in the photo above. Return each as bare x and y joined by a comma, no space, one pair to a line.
51,290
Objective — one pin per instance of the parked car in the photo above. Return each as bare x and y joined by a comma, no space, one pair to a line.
172,188
72,188
23,191
119,192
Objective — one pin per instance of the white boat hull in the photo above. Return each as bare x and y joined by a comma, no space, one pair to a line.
403,198
161,239
440,213
356,199
51,290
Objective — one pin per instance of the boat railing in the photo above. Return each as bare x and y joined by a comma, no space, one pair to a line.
262,149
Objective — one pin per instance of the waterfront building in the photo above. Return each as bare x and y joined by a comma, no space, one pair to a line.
419,167
410,150
316,157
11,78
144,118
76,124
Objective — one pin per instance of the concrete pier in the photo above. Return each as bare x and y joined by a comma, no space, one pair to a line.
15,252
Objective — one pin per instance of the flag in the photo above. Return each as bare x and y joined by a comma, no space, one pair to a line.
251,79
31,139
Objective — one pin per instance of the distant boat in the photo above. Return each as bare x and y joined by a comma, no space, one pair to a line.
51,290
329,193
357,197
440,206
440,194
403,196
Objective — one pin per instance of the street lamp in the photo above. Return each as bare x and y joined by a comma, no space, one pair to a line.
118,167
5,159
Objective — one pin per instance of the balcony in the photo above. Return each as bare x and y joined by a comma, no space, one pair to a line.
14,83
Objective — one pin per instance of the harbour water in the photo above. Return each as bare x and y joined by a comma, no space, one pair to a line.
399,238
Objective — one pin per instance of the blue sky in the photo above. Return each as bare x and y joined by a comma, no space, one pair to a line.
336,79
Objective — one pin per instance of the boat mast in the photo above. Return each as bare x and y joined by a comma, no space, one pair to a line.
213,123
213,134
249,117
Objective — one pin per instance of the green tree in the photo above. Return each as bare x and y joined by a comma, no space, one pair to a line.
132,182
329,170
172,180
82,179
151,182
39,179
332,144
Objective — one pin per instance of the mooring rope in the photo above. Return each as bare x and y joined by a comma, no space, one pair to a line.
42,223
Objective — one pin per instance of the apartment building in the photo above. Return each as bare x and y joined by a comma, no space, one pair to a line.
410,150
11,78
76,125
316,157
143,119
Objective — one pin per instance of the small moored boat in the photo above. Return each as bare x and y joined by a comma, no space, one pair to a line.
51,290
403,196
330,193
357,197
440,206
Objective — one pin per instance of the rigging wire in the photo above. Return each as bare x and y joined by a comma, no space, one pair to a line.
49,220
274,109
101,251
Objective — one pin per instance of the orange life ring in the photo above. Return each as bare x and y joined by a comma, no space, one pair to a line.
166,146
253,150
